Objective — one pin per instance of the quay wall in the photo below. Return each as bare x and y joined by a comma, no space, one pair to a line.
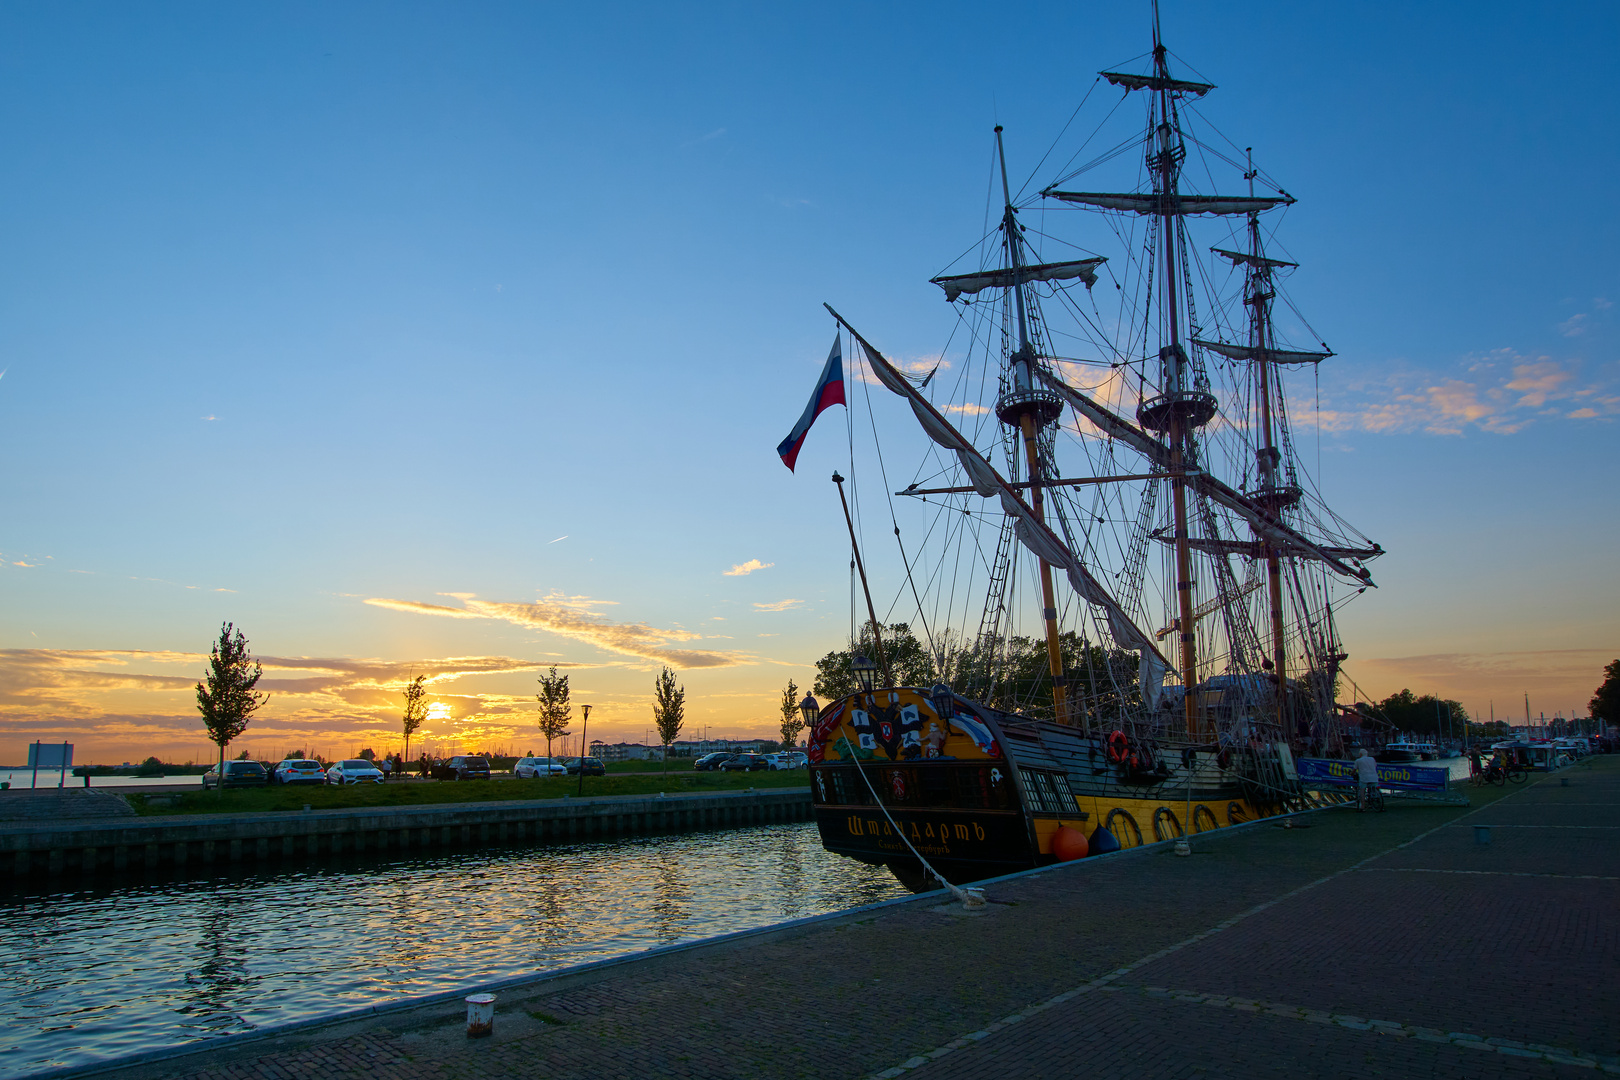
204,842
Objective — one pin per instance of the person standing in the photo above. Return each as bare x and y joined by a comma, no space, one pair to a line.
387,767
1366,777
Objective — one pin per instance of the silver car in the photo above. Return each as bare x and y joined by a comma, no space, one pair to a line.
534,767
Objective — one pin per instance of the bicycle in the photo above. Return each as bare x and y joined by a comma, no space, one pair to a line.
1517,773
1369,797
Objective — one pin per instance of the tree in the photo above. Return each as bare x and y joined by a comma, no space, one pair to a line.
1605,704
669,709
792,719
909,662
553,698
226,697
1426,715
415,710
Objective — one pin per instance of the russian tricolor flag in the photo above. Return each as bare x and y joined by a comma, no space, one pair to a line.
829,392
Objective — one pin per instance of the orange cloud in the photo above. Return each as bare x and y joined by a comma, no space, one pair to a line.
572,617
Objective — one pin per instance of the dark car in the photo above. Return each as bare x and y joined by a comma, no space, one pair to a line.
710,762
744,763
237,774
593,766
462,768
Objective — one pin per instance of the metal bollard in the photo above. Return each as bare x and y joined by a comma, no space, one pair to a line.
480,1015
1563,781
1482,835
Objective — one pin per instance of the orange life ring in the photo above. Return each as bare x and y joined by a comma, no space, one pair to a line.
1119,748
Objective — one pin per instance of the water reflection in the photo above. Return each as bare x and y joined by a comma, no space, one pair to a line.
94,973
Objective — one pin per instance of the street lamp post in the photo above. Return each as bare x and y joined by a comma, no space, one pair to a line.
583,745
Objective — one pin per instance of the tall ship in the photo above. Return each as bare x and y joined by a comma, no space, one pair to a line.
1111,617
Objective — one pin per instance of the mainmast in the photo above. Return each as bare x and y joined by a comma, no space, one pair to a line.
1027,408
1180,411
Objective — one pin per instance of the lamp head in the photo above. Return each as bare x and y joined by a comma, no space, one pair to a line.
810,709
865,673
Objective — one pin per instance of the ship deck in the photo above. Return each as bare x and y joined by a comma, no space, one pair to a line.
1365,944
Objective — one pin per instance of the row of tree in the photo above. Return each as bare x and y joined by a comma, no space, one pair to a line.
1010,674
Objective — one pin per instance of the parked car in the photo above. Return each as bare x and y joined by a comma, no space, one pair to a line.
593,766
710,762
299,771
237,774
744,763
532,767
353,771
788,759
462,767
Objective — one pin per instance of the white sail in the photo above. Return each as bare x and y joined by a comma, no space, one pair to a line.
1251,549
1156,82
1243,258
1271,356
1033,533
1177,205
1258,519
957,284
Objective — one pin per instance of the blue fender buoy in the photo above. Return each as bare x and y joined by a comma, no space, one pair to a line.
1103,841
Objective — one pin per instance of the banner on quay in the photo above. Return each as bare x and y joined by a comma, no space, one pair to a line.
1394,777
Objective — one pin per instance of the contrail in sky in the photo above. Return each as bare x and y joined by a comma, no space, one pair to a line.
564,536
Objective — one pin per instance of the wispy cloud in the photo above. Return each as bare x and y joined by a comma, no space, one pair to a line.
778,605
717,133
1502,393
575,617
743,569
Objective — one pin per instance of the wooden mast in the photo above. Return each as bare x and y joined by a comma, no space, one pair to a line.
1174,359
1259,300
1028,409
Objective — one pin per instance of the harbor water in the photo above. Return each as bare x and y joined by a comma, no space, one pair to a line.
95,973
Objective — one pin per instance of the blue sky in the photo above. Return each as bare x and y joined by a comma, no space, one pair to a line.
324,304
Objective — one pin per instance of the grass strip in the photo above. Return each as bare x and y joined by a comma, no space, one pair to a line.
426,793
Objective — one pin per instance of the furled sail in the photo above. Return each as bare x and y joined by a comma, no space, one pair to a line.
1157,82
1032,532
1255,352
1251,549
1258,519
957,284
1243,258
1183,205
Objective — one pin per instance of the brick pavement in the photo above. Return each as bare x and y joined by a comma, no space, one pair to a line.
1241,961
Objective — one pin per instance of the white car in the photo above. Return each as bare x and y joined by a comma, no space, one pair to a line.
353,771
534,767
299,771
788,759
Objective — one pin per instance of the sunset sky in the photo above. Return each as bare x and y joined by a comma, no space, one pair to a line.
456,339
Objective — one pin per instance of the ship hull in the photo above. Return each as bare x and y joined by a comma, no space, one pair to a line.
992,790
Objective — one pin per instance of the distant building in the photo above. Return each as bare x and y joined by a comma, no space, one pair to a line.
622,751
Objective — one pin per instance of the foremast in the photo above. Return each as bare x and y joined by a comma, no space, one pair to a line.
1029,408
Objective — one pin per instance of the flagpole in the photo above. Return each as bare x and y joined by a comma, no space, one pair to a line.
877,637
